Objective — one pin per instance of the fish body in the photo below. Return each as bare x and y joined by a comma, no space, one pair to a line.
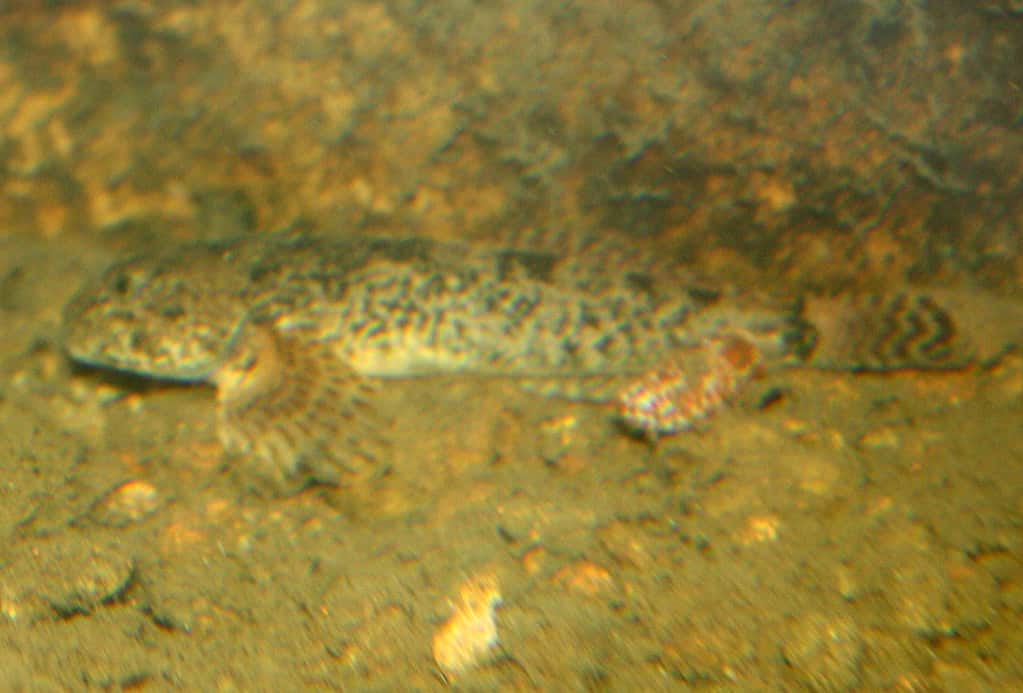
387,307
296,332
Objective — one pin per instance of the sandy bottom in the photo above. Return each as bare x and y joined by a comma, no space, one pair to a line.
828,532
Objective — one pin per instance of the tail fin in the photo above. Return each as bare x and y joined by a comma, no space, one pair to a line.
914,329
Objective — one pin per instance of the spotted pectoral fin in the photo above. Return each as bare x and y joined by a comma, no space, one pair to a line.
882,331
689,386
296,409
673,395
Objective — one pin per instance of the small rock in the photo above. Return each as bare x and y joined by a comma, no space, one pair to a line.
62,576
130,502
470,635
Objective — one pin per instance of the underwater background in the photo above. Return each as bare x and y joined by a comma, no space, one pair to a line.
829,531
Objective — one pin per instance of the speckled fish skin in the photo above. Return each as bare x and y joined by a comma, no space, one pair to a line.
388,307
296,332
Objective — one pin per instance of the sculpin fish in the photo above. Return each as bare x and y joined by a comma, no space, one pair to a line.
295,332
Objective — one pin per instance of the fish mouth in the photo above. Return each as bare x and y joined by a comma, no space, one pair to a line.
135,369
83,347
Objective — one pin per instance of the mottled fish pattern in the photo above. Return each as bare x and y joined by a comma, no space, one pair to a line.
296,332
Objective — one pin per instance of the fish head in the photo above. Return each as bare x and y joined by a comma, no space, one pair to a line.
173,320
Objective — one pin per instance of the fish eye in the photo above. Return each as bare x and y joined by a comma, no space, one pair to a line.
122,283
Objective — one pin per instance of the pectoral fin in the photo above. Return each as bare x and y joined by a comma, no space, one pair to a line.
295,408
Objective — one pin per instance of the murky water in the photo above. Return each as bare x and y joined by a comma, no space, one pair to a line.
825,531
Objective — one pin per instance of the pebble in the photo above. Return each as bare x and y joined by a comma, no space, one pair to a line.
130,502
62,576
469,636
